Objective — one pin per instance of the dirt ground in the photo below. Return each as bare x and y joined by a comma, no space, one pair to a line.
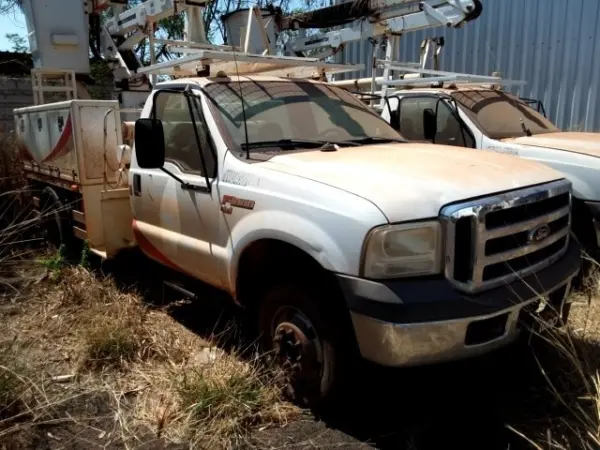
75,391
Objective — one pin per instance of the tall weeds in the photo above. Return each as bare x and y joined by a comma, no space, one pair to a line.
568,359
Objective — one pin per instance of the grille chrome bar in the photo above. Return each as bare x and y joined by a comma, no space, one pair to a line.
524,226
543,201
527,249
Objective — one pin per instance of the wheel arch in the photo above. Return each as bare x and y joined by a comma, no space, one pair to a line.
294,233
269,261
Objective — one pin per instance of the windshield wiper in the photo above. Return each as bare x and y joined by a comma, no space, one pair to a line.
526,130
285,143
373,139
314,143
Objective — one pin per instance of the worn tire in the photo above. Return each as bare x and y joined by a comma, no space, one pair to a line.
285,307
583,232
583,228
54,218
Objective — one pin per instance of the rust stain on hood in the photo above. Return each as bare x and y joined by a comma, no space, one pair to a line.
413,181
582,143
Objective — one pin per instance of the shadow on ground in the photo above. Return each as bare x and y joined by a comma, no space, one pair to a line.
464,405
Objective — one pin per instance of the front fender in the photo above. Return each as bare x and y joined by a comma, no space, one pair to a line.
294,230
582,170
582,174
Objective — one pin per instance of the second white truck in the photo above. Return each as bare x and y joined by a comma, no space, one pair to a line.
488,118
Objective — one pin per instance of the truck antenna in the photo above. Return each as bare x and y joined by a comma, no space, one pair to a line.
241,95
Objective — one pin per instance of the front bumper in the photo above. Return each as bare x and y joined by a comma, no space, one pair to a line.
423,321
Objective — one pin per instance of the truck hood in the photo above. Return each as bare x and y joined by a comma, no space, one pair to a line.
413,181
582,143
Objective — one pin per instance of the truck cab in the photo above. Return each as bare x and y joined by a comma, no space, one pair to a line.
489,118
338,235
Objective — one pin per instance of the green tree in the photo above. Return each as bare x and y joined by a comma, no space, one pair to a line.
18,42
8,6
173,27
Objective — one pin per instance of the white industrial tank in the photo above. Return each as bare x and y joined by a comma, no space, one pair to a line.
236,22
58,34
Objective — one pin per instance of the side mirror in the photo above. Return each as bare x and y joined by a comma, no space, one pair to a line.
149,143
429,124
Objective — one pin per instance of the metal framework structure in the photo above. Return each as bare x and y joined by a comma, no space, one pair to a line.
397,75
304,57
391,17
384,18
438,76
53,81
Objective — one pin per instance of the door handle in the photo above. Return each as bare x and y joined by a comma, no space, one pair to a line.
194,187
137,185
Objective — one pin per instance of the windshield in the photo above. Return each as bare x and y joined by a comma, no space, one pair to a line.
295,111
499,114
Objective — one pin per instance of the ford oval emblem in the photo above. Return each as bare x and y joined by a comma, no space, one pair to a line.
539,233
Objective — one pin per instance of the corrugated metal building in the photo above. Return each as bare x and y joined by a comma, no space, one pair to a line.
554,45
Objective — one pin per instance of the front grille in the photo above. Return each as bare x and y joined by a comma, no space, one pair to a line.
495,240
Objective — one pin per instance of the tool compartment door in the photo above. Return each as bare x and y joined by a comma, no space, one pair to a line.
98,134
45,135
26,137
61,154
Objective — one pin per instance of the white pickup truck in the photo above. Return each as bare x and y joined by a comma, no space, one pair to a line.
314,213
491,119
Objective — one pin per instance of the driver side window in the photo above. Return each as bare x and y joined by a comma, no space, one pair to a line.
449,130
181,146
411,116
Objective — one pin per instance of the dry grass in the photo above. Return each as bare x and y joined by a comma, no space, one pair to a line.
233,397
16,221
85,337
73,338
76,350
11,176
11,385
569,361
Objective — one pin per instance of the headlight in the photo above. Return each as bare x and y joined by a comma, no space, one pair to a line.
403,250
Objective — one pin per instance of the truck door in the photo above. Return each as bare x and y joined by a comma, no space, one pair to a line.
176,222
444,127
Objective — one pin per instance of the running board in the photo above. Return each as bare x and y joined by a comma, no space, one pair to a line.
179,289
98,252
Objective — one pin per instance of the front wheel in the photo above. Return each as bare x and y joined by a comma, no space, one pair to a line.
300,334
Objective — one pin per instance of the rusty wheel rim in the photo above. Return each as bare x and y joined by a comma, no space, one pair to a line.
297,347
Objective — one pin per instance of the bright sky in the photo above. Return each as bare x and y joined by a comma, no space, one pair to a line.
11,23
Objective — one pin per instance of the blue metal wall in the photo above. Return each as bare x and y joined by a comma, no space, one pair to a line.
554,45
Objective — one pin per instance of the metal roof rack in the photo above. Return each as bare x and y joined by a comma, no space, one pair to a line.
437,76
205,61
412,75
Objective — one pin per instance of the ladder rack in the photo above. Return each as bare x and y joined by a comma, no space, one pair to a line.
436,76
233,63
413,76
